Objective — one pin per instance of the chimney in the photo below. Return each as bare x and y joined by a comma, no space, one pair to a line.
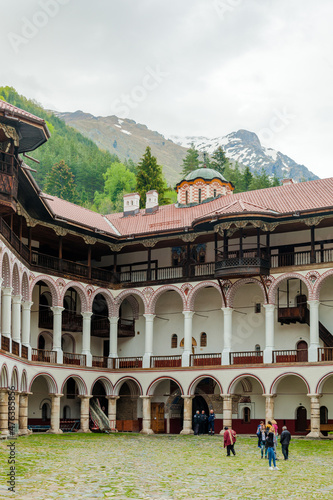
286,182
131,204
151,201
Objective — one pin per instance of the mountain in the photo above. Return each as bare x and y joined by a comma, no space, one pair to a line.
245,148
128,139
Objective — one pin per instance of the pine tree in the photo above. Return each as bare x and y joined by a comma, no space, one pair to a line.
219,161
149,177
60,182
191,161
246,179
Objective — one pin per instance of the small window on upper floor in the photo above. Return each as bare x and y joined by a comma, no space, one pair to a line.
257,308
257,348
203,339
186,197
199,195
174,341
214,193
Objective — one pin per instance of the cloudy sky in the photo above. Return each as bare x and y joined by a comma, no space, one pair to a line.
182,67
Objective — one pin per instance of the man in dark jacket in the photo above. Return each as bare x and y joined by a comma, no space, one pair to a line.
285,440
203,422
211,420
196,422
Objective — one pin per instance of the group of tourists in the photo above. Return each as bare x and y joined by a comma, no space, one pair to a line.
268,439
267,436
203,423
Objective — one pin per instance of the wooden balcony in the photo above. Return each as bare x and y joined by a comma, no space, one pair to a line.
246,358
15,348
165,361
128,362
126,328
290,356
325,354
44,356
101,362
207,359
24,352
5,343
8,182
235,266
70,358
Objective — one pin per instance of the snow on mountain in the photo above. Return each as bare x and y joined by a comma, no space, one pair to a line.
245,148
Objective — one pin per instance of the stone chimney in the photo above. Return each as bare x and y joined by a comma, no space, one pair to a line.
286,182
131,204
151,201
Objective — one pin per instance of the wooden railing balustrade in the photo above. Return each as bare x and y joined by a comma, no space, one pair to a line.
246,357
43,356
165,361
206,359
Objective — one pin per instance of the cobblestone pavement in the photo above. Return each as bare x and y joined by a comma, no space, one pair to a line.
121,466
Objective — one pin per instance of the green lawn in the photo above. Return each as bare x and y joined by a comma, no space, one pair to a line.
75,466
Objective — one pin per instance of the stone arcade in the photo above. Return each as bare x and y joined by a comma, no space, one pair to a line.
220,301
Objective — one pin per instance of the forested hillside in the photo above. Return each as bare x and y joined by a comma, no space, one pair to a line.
85,160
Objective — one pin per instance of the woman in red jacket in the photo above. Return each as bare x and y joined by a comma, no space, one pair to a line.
229,440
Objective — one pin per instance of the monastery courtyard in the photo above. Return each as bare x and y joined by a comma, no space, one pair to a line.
88,466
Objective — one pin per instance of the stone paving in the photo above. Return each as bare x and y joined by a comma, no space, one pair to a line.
121,466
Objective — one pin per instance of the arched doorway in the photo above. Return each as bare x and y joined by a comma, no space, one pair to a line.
207,396
301,419
248,404
167,407
129,407
40,400
99,395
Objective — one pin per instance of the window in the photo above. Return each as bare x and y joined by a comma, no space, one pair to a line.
323,415
257,348
203,339
246,415
71,388
66,412
186,197
46,412
214,193
174,341
199,194
257,308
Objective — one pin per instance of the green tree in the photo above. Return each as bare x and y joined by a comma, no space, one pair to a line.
246,179
219,160
60,182
149,177
191,161
117,181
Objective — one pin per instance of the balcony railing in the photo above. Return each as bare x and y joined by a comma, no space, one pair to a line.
24,352
101,362
325,354
246,357
43,356
165,361
15,348
290,356
207,359
70,358
5,343
131,362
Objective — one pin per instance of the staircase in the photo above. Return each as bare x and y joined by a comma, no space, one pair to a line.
325,335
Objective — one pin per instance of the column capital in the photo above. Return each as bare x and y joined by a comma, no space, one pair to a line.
112,398
25,393
7,290
188,314
227,396
113,319
269,307
17,299
145,397
188,396
57,309
149,317
84,396
269,395
86,314
227,310
54,395
317,396
313,303
26,304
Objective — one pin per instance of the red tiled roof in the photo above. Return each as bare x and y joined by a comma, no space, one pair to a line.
304,196
14,111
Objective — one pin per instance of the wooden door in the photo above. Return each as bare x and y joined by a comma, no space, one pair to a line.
302,351
301,423
157,417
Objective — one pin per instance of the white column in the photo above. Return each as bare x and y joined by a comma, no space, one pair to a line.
315,415
86,338
149,336
16,318
269,406
113,353
269,333
188,320
187,422
227,334
146,416
26,322
57,331
84,413
314,330
6,316
227,411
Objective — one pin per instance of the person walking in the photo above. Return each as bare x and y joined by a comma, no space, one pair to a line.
259,432
202,422
211,421
270,433
229,437
262,440
196,422
276,433
285,440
